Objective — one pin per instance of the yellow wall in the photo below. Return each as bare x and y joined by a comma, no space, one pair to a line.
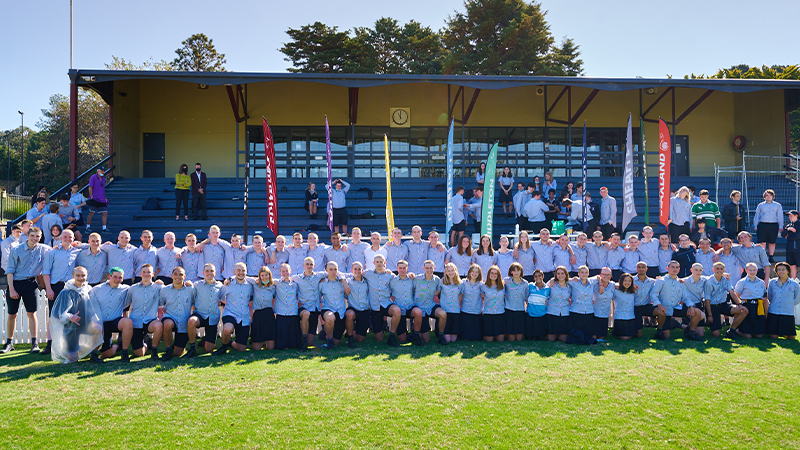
199,124
761,119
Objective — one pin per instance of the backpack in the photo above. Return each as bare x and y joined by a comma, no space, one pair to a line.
151,204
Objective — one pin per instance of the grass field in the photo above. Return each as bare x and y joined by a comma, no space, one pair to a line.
620,395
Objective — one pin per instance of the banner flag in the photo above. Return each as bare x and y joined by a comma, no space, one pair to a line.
629,207
272,178
389,211
583,181
449,207
329,186
664,168
487,209
644,170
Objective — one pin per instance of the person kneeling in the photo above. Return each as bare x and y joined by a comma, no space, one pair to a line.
177,301
79,328
238,298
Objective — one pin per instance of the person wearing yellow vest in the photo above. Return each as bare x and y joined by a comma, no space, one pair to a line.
183,184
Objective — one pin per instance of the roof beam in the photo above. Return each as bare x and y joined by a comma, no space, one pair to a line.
693,107
353,95
583,106
238,102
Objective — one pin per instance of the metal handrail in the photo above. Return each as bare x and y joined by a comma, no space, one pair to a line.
54,195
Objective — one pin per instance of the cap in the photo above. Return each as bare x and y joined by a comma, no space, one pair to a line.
794,213
103,168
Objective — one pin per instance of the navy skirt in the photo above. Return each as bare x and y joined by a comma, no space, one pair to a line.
287,332
623,328
557,324
494,324
262,329
535,327
780,324
453,324
582,322
515,322
600,325
471,327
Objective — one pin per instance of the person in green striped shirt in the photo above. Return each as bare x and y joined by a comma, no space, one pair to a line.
706,210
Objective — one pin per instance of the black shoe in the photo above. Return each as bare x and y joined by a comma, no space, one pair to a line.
221,351
442,340
154,355
771,259
329,345
168,354
418,340
95,358
35,349
392,341
660,336
191,353
125,358
350,342
7,348
732,334
47,348
691,335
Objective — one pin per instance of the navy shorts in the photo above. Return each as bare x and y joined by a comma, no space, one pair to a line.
26,289
109,328
137,341
339,216
338,324
460,226
717,311
362,321
313,320
211,330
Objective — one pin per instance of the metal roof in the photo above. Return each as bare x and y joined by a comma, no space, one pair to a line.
93,77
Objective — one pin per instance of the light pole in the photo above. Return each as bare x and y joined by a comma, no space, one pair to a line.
22,136
8,178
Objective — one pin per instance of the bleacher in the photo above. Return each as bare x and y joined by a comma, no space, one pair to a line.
415,202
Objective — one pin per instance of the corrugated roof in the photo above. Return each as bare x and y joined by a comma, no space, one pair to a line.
90,77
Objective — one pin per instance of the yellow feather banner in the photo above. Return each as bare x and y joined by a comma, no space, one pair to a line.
389,211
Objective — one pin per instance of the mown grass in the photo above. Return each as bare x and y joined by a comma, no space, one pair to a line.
620,395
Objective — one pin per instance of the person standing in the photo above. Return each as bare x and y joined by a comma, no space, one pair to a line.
311,201
98,203
519,200
534,211
792,242
706,210
768,222
506,182
78,200
680,215
183,184
199,183
459,221
339,204
732,214
608,213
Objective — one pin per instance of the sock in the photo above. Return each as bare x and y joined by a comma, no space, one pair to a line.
8,341
305,337
191,345
94,352
330,341
391,334
33,341
125,352
104,227
49,342
659,329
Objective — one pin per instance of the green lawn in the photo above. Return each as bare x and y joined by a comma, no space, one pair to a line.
640,394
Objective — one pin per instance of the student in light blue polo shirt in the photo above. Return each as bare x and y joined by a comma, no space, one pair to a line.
557,311
472,305
121,255
333,304
286,307
402,287
208,295
238,298
263,329
717,293
308,296
177,301
437,253
168,258
357,316
461,255
624,317
753,293
450,298
337,253
192,260
603,297
112,296
516,294
494,306
427,288
784,296
143,298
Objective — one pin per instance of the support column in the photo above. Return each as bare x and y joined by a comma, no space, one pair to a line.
73,130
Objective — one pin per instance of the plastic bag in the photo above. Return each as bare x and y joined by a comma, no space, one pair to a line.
72,341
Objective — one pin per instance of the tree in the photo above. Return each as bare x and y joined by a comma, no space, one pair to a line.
197,54
318,48
767,72
389,49
505,37
123,64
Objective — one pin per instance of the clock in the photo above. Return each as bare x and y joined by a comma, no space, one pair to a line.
400,117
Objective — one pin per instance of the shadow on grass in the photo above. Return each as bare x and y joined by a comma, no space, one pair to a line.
40,366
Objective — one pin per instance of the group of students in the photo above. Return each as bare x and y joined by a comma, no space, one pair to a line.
276,297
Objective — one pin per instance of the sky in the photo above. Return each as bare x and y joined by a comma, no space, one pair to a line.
617,38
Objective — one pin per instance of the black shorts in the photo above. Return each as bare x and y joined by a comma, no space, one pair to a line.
683,312
263,327
594,272
460,226
242,332
109,328
338,324
211,330
717,311
376,323
652,272
647,310
181,339
26,289
339,216
362,321
313,320
166,280
767,232
781,325
57,288
137,340
793,258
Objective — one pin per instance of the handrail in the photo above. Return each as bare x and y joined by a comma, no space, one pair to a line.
54,195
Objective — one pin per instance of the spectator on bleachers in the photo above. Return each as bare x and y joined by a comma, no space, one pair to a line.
549,183
8,244
48,222
55,235
38,211
41,192
77,199
69,216
339,204
98,203
199,183
311,201
537,184
569,190
706,210
792,234
520,199
506,181
735,220
578,195
693,198
183,185
703,231
592,224
608,213
480,176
